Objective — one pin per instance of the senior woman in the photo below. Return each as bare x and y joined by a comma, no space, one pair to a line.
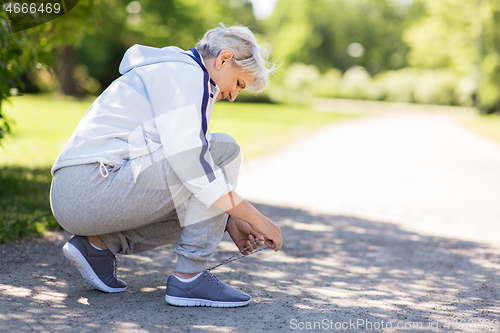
142,170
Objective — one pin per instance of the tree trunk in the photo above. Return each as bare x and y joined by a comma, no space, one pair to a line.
68,60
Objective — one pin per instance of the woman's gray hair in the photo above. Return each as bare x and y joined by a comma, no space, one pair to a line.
248,55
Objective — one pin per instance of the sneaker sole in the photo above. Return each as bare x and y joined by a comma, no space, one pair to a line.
79,261
181,301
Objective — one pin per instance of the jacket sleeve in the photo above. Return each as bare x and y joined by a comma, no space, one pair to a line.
179,96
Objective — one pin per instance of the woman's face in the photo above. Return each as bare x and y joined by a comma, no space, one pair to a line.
227,76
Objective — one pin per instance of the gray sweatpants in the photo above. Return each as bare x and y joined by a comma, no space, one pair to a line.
138,211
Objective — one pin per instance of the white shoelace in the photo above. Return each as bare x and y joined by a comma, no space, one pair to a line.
103,169
234,257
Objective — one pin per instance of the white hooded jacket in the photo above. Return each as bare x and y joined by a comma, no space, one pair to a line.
163,100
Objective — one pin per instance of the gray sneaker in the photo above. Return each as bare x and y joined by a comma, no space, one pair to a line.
205,290
98,267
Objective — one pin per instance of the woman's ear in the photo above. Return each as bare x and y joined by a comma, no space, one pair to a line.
225,57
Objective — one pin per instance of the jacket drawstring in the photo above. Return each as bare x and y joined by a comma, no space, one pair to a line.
102,167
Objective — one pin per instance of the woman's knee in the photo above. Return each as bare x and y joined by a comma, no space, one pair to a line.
224,149
223,137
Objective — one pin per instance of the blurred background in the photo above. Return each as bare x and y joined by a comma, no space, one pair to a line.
426,52
416,51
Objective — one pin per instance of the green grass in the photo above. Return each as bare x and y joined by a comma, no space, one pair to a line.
24,201
486,125
263,128
43,124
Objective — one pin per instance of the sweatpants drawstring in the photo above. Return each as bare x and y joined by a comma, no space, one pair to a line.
102,167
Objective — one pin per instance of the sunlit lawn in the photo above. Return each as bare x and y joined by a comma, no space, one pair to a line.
486,125
44,124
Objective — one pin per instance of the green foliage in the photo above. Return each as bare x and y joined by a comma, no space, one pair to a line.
183,22
300,83
36,48
421,86
155,23
445,36
25,202
454,49
4,126
18,56
463,36
318,33
26,15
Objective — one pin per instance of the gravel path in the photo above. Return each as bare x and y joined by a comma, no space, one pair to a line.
424,172
390,224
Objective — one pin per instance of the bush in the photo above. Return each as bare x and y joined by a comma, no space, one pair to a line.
302,83
299,84
490,90
357,83
412,85
396,86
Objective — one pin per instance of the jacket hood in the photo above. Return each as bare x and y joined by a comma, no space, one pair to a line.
140,55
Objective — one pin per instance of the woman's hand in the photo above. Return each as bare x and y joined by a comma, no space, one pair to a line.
271,232
237,207
243,235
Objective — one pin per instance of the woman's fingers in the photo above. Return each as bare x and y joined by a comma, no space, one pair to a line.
272,236
248,250
277,240
252,240
270,244
255,235
275,245
268,233
254,243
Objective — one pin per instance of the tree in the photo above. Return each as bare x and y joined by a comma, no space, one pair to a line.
155,23
96,33
24,51
464,36
15,58
320,32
